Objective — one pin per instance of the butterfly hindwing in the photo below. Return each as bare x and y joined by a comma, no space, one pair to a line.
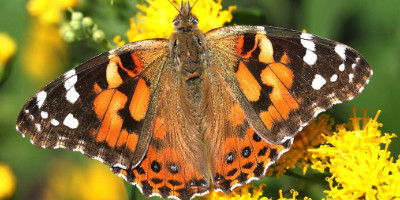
99,107
237,154
175,164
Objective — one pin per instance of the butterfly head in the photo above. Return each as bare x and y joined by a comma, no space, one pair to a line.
185,21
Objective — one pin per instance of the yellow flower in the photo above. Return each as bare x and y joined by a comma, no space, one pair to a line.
7,181
360,168
49,11
239,193
117,40
294,195
309,138
45,52
247,192
7,50
155,20
96,181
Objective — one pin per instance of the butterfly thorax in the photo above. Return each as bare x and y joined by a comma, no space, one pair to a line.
187,50
187,44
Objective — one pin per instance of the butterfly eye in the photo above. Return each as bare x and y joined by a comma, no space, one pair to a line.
193,20
176,21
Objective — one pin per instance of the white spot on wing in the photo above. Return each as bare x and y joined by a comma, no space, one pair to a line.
306,41
120,166
72,95
60,142
350,98
340,49
26,111
54,122
310,57
334,78
336,102
99,159
317,111
44,115
79,149
70,121
40,98
331,95
341,67
314,105
38,127
353,65
318,82
59,146
351,76
70,73
306,36
70,82
361,89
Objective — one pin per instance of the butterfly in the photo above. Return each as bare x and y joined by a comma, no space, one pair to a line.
177,116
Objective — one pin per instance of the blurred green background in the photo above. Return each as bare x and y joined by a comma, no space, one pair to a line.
371,27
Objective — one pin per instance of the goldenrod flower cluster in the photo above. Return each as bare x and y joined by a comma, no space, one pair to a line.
247,192
360,167
148,23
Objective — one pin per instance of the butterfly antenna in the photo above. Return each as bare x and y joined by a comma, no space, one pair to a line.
174,6
190,10
182,6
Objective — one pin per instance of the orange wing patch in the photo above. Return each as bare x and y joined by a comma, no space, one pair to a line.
138,65
280,77
140,100
165,172
248,83
236,116
106,106
122,138
262,42
132,141
112,75
109,101
159,129
243,158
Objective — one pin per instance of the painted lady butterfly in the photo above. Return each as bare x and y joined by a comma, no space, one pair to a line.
175,116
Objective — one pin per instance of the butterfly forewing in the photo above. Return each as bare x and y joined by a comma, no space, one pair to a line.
287,77
99,107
